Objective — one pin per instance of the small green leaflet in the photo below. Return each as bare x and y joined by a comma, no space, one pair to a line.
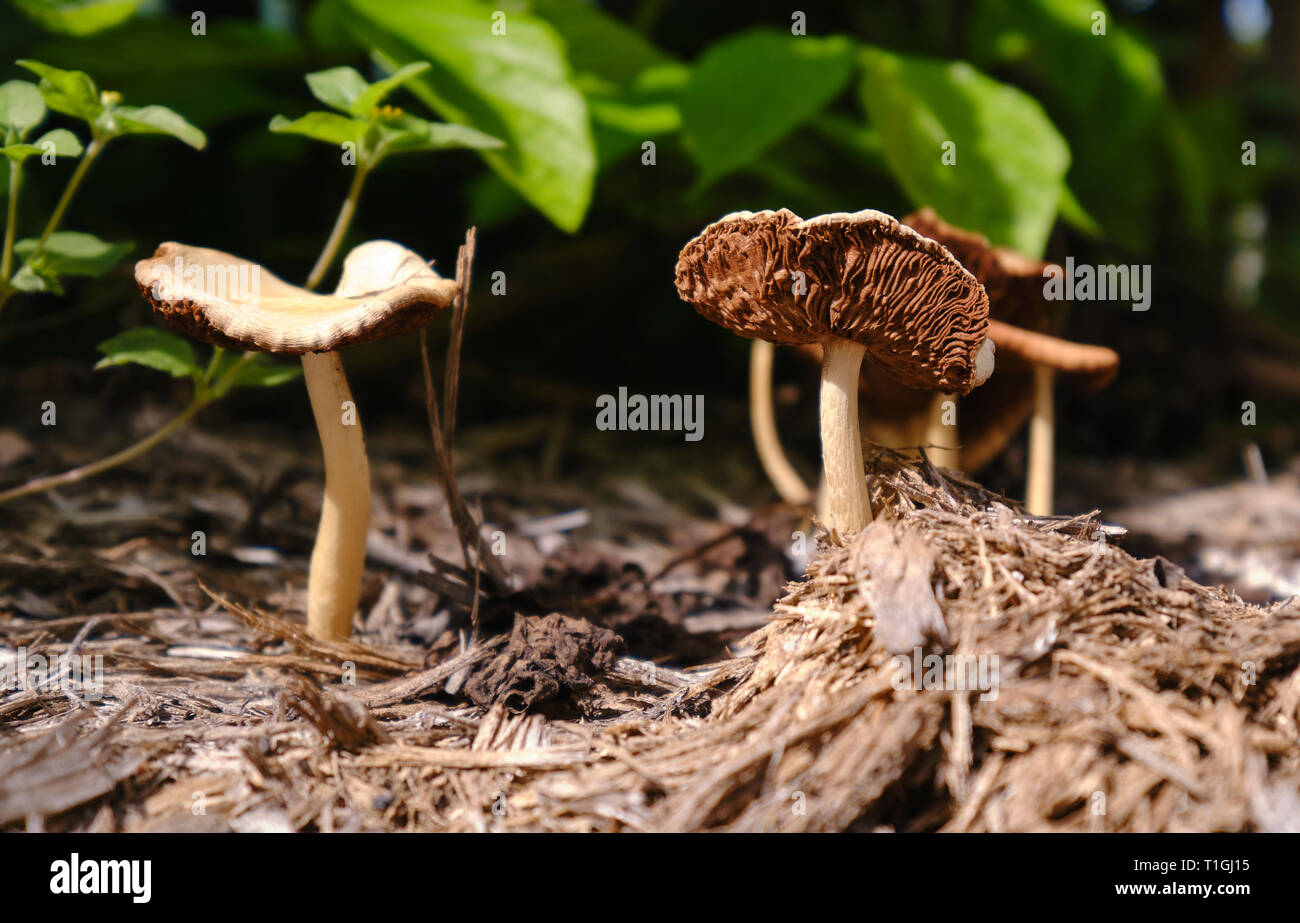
60,142
260,371
153,348
74,93
74,253
21,106
344,89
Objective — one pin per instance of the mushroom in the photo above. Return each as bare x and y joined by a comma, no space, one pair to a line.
1018,327
855,283
790,487
1040,356
385,290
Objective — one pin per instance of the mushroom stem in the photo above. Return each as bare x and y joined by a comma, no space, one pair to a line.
850,506
338,560
1038,490
762,420
940,440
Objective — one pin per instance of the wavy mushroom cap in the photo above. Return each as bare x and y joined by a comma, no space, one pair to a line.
385,290
866,278
1013,282
1019,326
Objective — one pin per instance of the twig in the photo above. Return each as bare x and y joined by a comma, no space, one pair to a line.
467,528
451,379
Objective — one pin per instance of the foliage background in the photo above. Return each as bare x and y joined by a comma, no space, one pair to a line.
1122,148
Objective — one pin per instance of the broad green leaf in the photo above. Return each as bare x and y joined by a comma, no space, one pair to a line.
1076,216
598,43
630,85
1006,162
329,127
21,106
75,253
60,141
70,92
514,86
625,117
408,133
156,120
77,17
337,87
261,371
752,89
1106,93
376,92
150,347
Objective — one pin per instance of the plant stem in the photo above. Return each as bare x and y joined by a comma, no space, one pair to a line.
120,458
11,224
341,225
93,150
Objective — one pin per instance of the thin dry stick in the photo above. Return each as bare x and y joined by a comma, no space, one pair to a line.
451,379
467,529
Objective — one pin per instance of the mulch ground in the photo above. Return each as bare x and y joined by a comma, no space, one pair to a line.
651,664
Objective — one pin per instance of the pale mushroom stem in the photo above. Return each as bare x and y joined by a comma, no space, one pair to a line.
762,420
846,482
338,560
940,439
1038,490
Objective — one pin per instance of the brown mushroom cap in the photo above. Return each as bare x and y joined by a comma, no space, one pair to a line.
1019,326
1012,281
868,279
1094,365
224,300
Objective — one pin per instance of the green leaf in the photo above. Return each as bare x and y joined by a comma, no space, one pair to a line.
329,127
407,133
515,86
36,278
70,92
376,92
260,371
237,70
21,106
1076,216
74,253
151,347
625,117
752,89
1106,92
63,144
630,85
1008,160
337,87
156,120
77,17
599,43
